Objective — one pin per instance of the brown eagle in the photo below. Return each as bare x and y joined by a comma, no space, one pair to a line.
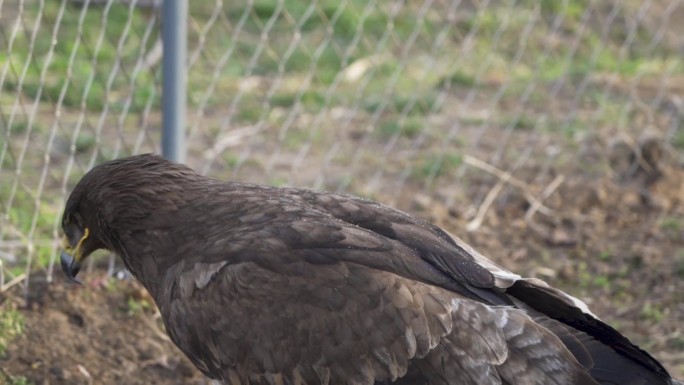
274,286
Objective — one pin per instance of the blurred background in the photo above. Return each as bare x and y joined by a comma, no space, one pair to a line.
549,134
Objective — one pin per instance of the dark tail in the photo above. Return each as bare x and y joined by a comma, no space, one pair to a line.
609,356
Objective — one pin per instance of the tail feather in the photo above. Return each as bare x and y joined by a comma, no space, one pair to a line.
609,356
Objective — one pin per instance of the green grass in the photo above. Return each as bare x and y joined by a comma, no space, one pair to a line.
409,128
672,227
85,142
678,140
76,67
651,313
679,264
435,166
296,137
11,326
671,224
21,126
22,212
8,379
311,100
585,278
519,122
345,18
403,88
326,28
458,78
137,306
408,104
606,255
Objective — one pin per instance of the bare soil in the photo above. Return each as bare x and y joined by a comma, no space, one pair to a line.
90,334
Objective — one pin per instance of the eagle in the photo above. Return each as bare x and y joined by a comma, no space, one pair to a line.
262,285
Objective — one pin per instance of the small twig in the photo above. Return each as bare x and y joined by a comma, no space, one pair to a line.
85,373
484,207
508,178
14,281
162,361
534,206
155,327
161,358
234,138
672,356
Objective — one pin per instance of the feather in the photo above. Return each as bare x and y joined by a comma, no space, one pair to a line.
260,285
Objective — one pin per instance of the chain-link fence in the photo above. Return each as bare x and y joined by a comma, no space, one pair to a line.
558,120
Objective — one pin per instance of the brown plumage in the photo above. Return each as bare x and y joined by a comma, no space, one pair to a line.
263,285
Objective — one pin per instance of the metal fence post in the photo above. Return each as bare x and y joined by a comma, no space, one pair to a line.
174,88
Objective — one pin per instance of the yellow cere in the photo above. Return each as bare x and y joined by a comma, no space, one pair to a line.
83,238
76,250
65,244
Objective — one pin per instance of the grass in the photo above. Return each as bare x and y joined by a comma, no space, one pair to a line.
652,313
679,264
8,379
137,306
11,326
409,129
345,19
414,105
672,227
312,101
77,68
82,69
678,139
606,255
85,142
296,137
22,213
280,45
457,79
671,224
435,166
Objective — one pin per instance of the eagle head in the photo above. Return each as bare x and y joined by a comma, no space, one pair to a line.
117,199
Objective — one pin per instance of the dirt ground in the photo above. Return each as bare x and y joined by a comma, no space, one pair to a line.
617,243
94,334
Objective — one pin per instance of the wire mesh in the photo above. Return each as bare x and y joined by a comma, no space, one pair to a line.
456,104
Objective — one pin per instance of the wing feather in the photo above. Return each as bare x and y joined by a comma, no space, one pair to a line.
366,293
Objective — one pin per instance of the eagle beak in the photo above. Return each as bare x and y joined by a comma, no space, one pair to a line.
70,266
